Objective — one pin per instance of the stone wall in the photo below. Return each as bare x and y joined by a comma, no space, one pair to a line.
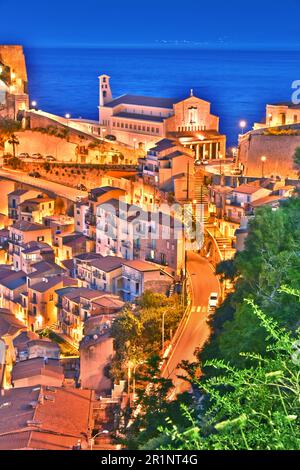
36,142
278,149
13,57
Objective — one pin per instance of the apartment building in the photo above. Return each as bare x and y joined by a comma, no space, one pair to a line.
23,232
35,209
77,305
140,276
132,233
17,197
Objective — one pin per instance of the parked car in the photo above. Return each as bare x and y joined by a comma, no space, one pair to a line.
213,300
50,158
37,156
201,162
34,174
24,155
81,187
110,137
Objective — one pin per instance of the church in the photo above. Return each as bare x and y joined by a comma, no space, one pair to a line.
142,121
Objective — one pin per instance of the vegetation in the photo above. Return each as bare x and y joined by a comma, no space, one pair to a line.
66,349
254,408
60,132
8,127
14,162
270,259
137,332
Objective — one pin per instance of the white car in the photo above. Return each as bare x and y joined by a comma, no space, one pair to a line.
213,300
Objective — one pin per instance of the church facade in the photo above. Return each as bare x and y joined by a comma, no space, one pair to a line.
142,121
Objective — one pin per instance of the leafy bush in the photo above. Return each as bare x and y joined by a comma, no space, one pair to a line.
255,408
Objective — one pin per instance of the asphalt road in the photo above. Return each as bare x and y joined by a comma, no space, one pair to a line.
59,189
196,331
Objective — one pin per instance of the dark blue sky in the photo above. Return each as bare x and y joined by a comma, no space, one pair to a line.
231,23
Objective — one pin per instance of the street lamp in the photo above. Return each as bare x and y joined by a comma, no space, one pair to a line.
33,104
134,142
263,161
92,442
243,125
224,254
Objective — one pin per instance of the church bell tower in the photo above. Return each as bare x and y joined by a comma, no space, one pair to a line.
105,94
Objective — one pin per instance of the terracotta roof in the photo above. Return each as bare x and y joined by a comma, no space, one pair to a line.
140,265
45,418
50,282
14,280
107,263
247,189
37,367
264,201
26,226
9,324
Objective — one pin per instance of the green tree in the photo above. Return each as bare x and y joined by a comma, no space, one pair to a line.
270,259
8,127
254,408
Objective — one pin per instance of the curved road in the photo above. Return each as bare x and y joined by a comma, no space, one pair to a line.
196,330
59,189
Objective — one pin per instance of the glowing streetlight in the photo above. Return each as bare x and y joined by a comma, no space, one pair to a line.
243,125
263,161
234,151
33,104
67,116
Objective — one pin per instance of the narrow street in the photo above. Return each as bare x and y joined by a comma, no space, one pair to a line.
196,330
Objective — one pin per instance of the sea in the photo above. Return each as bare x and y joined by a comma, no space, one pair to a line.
238,83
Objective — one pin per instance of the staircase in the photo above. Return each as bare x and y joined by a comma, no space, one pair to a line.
224,245
201,195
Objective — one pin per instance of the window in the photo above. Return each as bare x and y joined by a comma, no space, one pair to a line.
40,239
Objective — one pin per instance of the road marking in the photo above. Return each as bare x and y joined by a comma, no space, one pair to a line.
199,309
193,309
204,309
